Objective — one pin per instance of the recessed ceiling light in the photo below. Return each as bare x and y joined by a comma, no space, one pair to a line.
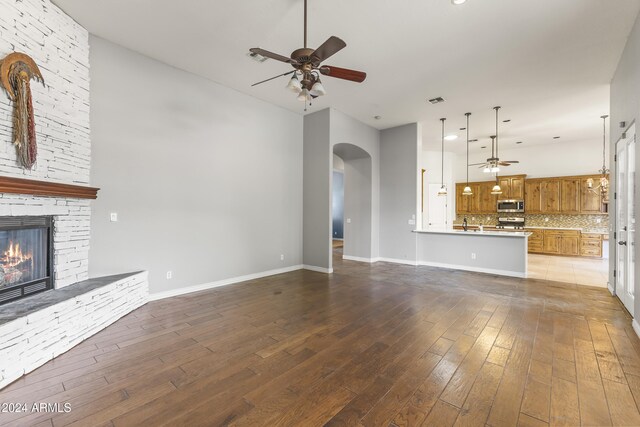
458,2
484,146
436,100
506,121
518,142
463,128
556,137
451,137
377,117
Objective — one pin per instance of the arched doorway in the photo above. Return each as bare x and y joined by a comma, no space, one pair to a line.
357,202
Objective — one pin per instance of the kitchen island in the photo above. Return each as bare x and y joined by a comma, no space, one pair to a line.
495,252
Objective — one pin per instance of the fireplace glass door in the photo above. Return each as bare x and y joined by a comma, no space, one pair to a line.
25,259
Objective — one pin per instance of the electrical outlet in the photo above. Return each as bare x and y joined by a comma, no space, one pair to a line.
281,257
598,220
546,219
473,218
412,222
113,216
473,255
348,220
169,275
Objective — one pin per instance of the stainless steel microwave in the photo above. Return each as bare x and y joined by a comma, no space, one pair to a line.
510,205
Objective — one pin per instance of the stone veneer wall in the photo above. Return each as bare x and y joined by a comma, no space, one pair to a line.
585,222
30,341
60,47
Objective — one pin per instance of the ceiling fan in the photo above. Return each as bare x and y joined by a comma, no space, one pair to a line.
307,64
493,163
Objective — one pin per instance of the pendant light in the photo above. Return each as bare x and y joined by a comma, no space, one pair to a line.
294,84
604,181
467,190
443,190
494,169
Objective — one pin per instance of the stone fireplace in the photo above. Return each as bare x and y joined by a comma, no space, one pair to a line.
48,304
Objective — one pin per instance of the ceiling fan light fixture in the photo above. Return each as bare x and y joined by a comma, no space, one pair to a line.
451,137
304,95
294,84
486,169
318,89
494,169
458,2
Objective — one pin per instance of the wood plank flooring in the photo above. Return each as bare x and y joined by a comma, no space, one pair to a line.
370,345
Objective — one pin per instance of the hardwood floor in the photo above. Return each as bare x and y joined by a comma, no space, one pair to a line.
372,345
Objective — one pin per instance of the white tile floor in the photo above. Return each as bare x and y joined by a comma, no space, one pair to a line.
578,270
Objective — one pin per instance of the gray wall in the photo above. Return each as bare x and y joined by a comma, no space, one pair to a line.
317,190
625,106
207,182
399,178
363,240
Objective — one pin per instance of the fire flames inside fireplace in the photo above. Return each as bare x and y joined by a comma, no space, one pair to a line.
25,256
22,253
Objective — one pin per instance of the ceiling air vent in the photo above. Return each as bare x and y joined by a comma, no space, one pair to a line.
437,100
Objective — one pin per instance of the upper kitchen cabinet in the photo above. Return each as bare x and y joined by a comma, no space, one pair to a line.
591,196
512,187
467,204
533,196
570,195
549,196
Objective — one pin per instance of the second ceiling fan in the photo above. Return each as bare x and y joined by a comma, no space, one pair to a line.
493,163
307,64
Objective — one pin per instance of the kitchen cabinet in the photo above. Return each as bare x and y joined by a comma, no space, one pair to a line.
533,196
536,240
549,196
591,245
561,242
487,202
591,198
512,187
570,195
467,204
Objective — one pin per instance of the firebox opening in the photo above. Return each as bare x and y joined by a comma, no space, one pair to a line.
25,256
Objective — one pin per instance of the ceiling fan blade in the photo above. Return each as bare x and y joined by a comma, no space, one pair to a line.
512,161
343,73
478,164
271,55
504,164
275,77
327,49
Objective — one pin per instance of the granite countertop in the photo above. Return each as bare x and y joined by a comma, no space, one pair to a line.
477,233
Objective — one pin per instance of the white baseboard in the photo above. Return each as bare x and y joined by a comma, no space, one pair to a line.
611,289
318,269
636,327
360,259
475,269
397,261
224,282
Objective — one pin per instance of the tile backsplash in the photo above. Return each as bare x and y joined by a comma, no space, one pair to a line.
598,223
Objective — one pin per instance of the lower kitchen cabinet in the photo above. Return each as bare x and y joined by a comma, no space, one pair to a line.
565,242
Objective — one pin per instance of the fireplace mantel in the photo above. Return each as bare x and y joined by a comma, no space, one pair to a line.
45,188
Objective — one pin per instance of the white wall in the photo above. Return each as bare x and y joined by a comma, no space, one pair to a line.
207,182
625,106
431,162
538,161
